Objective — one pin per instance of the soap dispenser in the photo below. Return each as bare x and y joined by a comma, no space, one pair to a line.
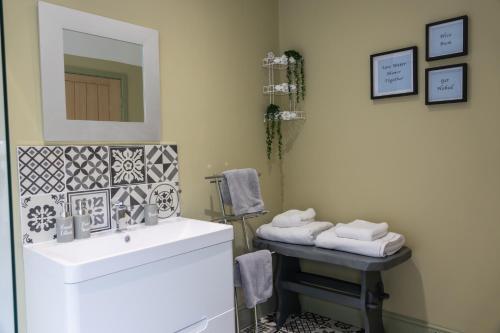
64,225
82,220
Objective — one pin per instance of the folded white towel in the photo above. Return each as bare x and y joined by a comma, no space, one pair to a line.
382,247
362,230
304,235
294,218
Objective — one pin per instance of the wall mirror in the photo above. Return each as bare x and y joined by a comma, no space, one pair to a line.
100,77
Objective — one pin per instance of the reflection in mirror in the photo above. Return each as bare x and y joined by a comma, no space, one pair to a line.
103,78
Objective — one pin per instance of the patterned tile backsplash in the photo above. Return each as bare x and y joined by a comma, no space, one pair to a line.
127,165
101,175
41,170
87,167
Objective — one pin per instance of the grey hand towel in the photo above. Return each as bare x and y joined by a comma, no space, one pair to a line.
241,189
254,274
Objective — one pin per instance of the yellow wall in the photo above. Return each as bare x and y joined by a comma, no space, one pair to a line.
432,172
211,81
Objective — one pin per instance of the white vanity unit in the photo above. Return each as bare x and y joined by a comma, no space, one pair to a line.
176,276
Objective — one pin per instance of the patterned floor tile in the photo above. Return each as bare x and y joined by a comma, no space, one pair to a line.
127,165
40,170
302,323
343,327
269,319
316,318
87,167
98,207
326,330
38,217
166,196
161,163
262,328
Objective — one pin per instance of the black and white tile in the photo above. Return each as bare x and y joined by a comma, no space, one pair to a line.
38,216
161,163
303,323
86,167
127,165
98,207
118,195
134,197
134,175
41,170
166,196
138,198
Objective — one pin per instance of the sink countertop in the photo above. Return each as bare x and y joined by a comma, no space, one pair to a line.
108,252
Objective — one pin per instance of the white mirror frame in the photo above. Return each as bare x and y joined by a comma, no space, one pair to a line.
52,20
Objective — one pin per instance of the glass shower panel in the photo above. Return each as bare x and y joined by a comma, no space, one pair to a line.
6,276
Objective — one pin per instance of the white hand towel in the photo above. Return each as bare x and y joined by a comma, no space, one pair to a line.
382,247
304,235
294,218
362,230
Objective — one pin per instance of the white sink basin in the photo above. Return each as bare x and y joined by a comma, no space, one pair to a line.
176,276
112,251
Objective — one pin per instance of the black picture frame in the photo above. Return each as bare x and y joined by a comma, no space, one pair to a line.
414,80
463,98
465,38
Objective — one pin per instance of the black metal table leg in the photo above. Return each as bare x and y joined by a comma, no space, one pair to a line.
288,302
372,297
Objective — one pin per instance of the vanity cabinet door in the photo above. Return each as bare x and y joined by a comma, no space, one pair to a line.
192,292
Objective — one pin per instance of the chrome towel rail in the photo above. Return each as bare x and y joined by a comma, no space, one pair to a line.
229,218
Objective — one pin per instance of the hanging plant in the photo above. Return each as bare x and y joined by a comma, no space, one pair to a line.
273,128
295,73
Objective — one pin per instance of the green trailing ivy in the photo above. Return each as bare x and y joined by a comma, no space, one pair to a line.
273,128
295,73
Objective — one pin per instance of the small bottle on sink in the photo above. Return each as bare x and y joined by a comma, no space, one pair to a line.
150,214
82,220
64,225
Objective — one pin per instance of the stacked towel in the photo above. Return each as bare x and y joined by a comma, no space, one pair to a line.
241,190
303,235
362,230
382,247
294,218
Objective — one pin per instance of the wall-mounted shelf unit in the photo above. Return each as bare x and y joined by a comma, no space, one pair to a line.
279,89
269,63
290,115
286,89
276,70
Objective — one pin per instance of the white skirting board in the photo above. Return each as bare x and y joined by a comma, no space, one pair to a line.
393,323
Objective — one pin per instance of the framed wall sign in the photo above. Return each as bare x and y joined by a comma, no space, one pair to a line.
446,84
447,38
394,73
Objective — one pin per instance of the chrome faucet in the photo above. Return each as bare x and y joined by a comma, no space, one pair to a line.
122,216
